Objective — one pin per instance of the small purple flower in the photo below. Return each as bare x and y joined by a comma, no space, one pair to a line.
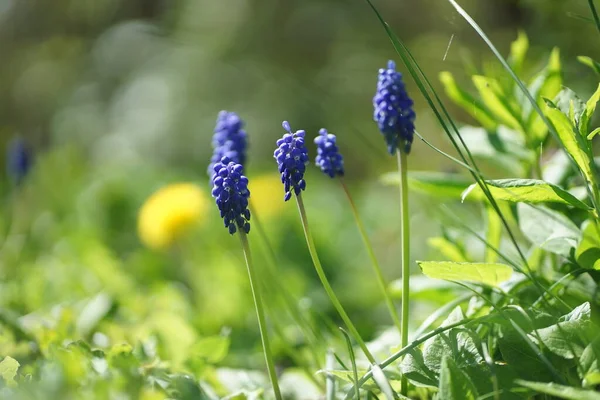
230,189
229,140
292,157
393,110
18,159
328,158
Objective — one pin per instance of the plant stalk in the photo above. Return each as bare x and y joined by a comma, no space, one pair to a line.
262,325
363,233
326,285
405,237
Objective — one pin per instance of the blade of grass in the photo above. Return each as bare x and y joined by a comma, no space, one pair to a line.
594,14
352,361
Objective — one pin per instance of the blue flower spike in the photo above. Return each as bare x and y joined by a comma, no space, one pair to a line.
229,140
328,158
292,157
393,110
18,159
230,190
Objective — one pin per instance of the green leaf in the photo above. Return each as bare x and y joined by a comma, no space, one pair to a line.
569,337
571,140
433,183
588,252
518,51
426,289
487,273
497,102
532,191
590,63
590,107
467,102
447,249
588,367
570,104
546,84
560,391
211,349
8,370
548,229
493,234
454,383
381,380
593,133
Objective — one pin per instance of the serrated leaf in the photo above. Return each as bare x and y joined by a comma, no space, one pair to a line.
497,102
433,183
454,383
595,66
8,370
532,191
588,252
571,140
487,273
590,107
467,102
560,391
548,229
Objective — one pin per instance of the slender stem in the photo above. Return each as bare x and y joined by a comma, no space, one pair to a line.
326,285
376,267
262,325
594,14
405,236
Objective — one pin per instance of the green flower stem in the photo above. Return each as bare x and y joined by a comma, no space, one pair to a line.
376,267
326,285
405,236
262,325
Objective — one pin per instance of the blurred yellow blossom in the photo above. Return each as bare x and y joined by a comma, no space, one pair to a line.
169,212
266,195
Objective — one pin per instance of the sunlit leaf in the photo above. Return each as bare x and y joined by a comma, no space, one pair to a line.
570,104
8,370
588,252
497,102
518,51
590,107
454,383
467,102
548,229
570,139
595,66
487,273
524,190
447,249
546,84
560,391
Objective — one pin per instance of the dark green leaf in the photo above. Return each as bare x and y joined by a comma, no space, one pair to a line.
454,383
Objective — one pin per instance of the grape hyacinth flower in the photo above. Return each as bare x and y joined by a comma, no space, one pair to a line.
328,158
230,189
229,140
292,157
18,160
393,110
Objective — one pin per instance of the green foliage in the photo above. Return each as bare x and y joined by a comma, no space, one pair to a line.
487,273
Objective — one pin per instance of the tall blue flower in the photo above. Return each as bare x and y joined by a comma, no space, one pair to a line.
292,157
229,140
230,189
328,158
18,159
393,110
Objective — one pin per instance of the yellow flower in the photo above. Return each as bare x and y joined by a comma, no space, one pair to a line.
266,195
169,213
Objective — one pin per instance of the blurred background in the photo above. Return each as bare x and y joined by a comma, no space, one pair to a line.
118,98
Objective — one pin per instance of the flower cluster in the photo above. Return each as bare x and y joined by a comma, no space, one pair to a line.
18,160
393,110
292,157
229,140
230,189
328,158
